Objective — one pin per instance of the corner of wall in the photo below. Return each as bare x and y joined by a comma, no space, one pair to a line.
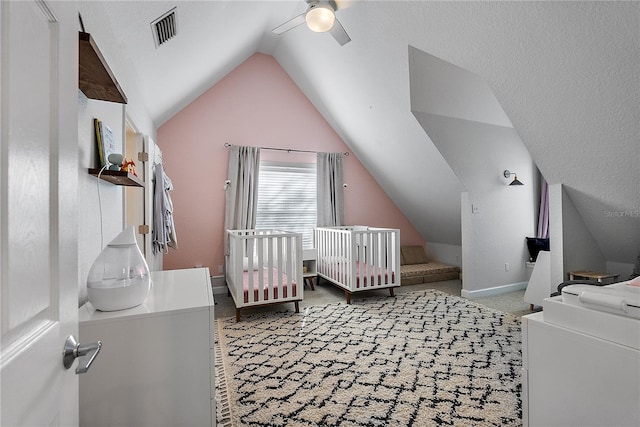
442,252
556,245
571,243
465,204
581,251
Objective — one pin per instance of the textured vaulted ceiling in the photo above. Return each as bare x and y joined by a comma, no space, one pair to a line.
565,73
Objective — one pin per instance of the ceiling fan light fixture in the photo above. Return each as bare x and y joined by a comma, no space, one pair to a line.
320,17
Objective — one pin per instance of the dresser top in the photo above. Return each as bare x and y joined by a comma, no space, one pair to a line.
171,291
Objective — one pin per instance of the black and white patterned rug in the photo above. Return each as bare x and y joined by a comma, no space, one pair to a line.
418,359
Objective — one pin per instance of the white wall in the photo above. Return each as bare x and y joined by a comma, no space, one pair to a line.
96,227
461,116
570,85
556,236
496,221
623,269
93,13
565,73
443,252
441,88
581,251
90,242
572,245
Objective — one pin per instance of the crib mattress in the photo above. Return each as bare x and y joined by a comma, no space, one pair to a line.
265,279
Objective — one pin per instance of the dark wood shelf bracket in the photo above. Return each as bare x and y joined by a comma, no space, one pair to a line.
95,78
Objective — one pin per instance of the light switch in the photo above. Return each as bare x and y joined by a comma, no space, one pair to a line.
474,208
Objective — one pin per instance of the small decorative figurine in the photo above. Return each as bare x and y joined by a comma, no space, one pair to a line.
129,166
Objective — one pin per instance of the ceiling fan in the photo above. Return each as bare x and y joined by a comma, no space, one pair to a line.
320,17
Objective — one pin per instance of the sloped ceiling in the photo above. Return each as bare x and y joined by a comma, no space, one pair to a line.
565,73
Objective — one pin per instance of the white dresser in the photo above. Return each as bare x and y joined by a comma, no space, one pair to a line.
580,367
156,366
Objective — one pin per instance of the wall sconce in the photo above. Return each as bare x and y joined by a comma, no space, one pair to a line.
515,181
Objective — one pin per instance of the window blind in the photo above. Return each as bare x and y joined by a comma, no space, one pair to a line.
287,199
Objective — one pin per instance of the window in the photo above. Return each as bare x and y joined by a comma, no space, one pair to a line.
287,198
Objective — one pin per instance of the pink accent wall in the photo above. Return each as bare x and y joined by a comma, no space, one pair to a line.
256,104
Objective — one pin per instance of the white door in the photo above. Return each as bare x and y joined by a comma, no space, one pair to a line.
134,196
38,205
155,157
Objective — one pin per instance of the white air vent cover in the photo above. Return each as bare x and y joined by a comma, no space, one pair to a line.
165,28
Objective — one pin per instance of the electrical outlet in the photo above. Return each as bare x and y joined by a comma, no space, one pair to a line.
507,266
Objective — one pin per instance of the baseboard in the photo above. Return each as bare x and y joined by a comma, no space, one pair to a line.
493,291
218,285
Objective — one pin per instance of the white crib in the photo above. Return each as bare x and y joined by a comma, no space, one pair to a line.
359,258
264,267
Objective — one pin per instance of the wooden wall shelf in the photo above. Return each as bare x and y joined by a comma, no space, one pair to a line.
118,177
95,78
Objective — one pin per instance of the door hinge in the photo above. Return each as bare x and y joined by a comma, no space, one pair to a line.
143,157
143,229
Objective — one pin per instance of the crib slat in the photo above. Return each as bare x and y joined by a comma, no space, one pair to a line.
373,266
350,251
260,265
279,259
284,283
364,254
341,266
380,259
334,244
363,262
367,258
387,261
271,242
332,251
338,248
251,278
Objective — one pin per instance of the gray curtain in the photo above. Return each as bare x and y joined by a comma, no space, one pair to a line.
242,189
543,215
330,189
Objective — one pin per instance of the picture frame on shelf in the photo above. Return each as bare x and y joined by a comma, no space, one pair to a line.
105,141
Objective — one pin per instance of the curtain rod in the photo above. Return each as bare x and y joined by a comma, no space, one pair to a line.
346,153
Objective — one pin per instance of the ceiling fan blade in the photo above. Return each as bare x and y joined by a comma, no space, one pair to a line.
341,4
290,24
338,33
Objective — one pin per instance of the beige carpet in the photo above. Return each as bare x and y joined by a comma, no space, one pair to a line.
422,358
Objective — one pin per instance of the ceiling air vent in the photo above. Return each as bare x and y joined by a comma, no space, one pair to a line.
164,28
